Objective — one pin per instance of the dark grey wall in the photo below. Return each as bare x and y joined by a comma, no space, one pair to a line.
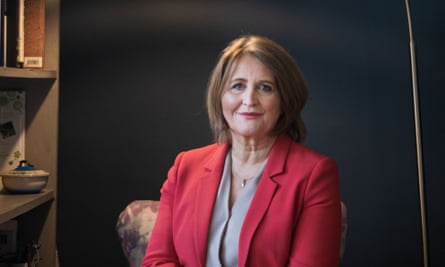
133,75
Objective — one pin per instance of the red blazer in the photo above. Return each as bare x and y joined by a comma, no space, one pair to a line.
294,218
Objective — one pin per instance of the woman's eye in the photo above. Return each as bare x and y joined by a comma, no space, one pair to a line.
237,86
265,88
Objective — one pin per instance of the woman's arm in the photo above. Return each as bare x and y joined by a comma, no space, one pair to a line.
160,250
316,241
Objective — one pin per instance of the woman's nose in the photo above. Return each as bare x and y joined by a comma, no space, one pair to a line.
249,97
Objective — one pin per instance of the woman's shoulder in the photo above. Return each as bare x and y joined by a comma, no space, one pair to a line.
305,159
307,151
204,153
202,150
299,154
299,150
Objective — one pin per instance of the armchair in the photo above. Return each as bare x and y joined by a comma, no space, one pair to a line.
136,221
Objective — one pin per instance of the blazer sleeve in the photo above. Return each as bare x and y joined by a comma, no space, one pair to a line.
160,250
316,241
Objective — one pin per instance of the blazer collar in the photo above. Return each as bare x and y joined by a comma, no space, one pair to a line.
207,191
264,194
208,188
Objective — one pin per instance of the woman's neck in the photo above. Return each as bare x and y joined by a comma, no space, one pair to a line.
247,158
251,151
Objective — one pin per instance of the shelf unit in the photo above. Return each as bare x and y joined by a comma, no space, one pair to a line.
36,213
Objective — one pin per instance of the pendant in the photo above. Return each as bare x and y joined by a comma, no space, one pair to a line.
243,183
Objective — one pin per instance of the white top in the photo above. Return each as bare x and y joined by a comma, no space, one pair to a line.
226,224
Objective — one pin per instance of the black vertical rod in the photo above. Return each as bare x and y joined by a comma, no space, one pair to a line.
417,124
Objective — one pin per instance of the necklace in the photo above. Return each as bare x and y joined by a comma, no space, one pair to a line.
244,181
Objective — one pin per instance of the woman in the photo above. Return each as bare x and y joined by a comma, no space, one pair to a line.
256,197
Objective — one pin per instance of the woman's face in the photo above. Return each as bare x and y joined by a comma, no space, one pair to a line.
250,100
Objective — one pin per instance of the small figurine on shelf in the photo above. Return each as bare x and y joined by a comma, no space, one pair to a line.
33,254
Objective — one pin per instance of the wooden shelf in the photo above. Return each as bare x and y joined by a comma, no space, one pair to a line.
27,73
13,205
16,78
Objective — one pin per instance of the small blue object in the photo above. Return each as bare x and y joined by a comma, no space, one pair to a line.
25,166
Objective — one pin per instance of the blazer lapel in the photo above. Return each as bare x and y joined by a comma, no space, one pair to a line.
263,196
207,189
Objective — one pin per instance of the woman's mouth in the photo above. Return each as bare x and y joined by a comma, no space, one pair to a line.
250,115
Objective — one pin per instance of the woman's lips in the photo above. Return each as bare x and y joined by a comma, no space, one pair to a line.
250,115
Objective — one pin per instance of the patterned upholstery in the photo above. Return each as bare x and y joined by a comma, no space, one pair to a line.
134,227
136,221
